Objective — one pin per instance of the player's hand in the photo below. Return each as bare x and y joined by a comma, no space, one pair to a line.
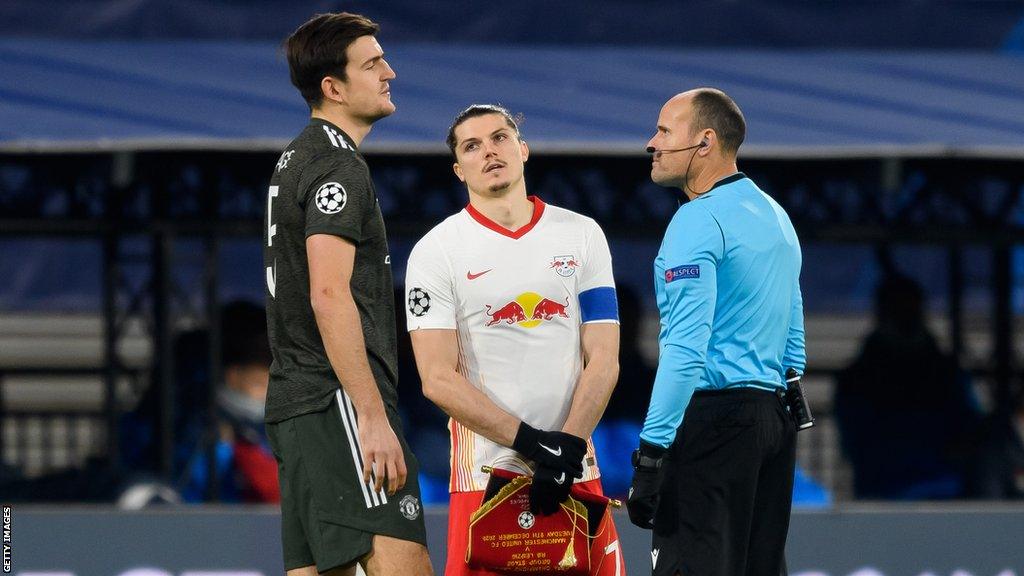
383,458
558,450
642,503
549,489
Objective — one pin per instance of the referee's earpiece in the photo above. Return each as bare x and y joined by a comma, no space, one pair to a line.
704,142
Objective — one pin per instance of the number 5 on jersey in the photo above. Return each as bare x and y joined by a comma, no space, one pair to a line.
271,230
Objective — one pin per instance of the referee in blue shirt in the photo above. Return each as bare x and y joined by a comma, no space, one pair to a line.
714,472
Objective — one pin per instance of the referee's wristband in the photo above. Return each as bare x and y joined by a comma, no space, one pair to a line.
648,456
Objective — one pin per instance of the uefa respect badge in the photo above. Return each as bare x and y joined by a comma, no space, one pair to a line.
682,272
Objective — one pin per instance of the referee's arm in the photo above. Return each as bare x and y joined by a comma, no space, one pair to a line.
686,278
795,356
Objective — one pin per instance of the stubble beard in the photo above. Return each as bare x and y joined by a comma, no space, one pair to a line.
379,115
382,111
667,179
502,188
499,188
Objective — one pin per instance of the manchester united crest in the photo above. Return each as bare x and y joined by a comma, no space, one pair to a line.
409,507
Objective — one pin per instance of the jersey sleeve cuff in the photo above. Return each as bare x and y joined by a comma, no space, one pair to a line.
413,326
334,231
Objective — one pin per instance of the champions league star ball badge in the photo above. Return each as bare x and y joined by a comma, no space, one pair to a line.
419,302
526,520
331,198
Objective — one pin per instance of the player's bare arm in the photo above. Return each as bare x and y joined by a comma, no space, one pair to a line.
437,358
600,343
331,259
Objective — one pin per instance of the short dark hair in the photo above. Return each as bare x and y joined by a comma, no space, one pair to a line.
318,49
714,109
482,110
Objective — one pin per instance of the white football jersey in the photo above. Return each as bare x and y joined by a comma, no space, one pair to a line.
517,300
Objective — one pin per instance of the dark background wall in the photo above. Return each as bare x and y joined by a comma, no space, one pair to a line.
984,25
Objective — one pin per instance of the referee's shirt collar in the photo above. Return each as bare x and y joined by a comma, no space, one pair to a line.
728,180
723,182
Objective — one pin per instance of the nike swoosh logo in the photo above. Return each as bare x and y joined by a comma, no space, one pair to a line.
561,479
555,452
471,276
654,558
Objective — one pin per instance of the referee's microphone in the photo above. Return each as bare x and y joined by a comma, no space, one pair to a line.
652,149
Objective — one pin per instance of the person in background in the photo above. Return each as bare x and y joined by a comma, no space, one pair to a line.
246,465
904,408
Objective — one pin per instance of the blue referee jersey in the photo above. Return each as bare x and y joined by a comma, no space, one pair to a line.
727,280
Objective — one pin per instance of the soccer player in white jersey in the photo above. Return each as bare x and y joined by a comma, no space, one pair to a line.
513,318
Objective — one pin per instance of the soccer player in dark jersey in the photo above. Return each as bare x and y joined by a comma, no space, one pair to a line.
349,493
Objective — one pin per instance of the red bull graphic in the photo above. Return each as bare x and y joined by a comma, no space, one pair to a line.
548,309
511,313
528,310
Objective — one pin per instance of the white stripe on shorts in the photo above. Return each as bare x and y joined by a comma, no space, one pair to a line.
378,497
348,419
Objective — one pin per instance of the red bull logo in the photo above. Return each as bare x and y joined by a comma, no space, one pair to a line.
548,309
565,265
528,309
511,313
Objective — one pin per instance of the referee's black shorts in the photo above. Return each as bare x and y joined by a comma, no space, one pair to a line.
728,487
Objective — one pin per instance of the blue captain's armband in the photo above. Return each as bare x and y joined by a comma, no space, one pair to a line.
599,304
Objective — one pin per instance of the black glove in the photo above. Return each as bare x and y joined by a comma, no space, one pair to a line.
643,493
549,489
558,450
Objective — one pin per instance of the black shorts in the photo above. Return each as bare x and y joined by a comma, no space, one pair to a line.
728,486
328,514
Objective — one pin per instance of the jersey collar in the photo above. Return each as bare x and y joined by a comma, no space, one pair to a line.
538,211
338,131
728,180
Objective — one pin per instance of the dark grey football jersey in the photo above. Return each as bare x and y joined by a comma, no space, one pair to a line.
321,185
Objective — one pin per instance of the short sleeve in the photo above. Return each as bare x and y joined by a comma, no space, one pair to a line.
429,289
335,194
597,283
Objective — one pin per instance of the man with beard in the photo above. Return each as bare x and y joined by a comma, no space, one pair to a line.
512,314
349,492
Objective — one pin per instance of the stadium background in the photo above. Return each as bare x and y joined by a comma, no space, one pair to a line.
137,139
